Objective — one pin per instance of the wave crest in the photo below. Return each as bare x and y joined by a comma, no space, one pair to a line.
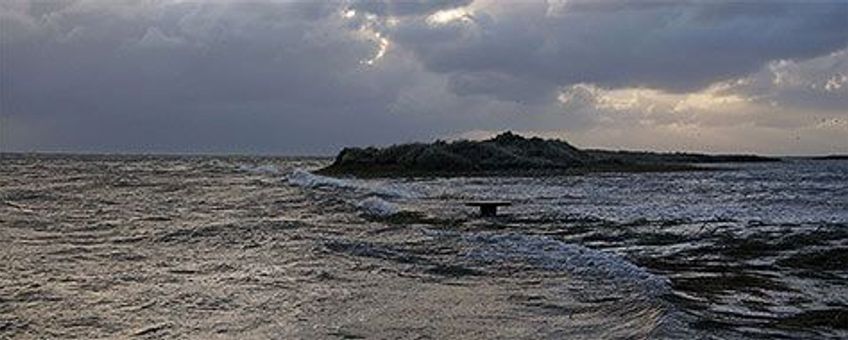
549,254
268,169
303,178
376,206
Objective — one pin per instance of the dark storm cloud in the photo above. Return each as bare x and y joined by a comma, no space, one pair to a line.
281,76
675,47
216,77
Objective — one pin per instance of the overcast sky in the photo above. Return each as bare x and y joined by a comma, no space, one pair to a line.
308,77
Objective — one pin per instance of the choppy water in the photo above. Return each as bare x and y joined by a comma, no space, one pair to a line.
238,247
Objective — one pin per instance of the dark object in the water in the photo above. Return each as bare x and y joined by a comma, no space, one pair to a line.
488,208
512,155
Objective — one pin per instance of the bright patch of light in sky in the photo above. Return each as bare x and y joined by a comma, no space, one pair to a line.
382,47
449,15
836,82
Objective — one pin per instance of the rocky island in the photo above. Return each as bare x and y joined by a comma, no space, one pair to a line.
513,155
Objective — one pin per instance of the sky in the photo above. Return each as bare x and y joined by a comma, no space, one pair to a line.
309,77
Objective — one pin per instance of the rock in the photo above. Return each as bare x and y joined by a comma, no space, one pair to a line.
507,154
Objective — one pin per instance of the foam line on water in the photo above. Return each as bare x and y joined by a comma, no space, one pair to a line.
306,179
549,254
376,206
303,178
268,169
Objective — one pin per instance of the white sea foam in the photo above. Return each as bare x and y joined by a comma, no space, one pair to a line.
376,206
303,178
307,179
269,169
549,254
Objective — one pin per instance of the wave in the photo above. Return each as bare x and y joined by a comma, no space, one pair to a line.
268,169
376,206
549,254
303,178
306,179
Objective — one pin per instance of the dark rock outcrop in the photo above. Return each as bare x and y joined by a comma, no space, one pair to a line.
506,154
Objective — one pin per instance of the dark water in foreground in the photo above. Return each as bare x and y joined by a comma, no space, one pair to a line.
203,247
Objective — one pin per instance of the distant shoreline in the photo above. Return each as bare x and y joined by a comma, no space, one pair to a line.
54,154
95,155
830,157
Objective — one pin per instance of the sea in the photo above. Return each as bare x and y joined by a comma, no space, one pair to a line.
241,247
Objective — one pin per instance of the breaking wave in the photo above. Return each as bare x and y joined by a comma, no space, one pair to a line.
268,169
549,254
376,206
306,179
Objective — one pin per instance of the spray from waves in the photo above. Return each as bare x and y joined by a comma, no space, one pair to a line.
376,206
306,179
549,254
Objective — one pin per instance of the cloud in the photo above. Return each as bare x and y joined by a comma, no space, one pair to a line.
195,76
819,83
788,107
405,7
676,47
310,77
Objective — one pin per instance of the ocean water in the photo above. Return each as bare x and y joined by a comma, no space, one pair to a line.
259,247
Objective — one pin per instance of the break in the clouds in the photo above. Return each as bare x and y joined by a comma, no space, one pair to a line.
308,77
